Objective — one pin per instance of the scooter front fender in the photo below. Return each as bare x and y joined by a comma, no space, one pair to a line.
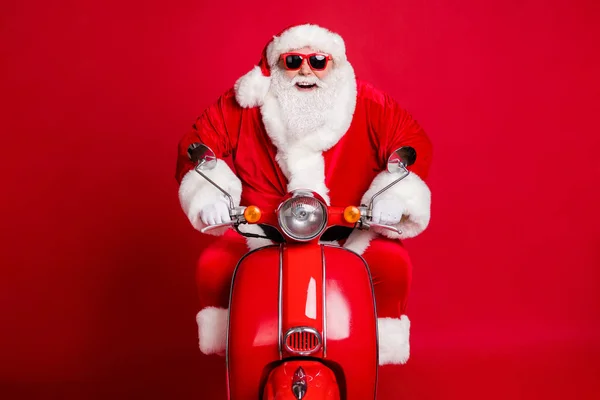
293,380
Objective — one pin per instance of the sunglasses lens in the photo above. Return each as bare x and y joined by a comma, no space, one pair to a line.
318,61
293,61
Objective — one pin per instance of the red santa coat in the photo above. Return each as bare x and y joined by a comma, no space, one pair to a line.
346,173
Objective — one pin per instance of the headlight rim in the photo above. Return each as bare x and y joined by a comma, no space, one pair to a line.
303,193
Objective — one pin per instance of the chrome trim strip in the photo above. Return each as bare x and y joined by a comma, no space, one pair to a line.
324,282
299,386
280,306
374,310
227,332
302,193
303,329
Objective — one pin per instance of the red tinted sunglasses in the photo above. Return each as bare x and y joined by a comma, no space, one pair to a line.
316,61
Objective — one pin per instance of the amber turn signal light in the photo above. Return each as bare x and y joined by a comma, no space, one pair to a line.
351,214
252,214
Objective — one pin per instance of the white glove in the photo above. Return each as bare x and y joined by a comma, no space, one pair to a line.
215,213
387,211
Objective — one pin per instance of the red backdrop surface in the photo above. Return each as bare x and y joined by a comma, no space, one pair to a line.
97,295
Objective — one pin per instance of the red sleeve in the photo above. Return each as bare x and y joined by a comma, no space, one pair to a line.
395,128
216,128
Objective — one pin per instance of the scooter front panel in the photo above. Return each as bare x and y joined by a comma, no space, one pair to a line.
253,328
351,321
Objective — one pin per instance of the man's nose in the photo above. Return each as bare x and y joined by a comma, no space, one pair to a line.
305,68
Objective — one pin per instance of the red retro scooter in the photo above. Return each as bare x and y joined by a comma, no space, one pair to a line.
302,322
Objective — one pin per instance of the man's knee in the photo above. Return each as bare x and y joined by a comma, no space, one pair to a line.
215,268
389,260
212,268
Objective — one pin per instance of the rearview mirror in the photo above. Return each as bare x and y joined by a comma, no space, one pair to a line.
401,158
202,155
205,159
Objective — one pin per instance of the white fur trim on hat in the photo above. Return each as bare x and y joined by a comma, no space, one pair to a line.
394,340
212,330
195,192
313,36
251,88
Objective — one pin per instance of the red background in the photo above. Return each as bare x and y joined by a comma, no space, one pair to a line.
97,295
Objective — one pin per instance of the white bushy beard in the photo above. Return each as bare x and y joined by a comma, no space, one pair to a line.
303,112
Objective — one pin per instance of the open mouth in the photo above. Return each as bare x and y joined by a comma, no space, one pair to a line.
306,86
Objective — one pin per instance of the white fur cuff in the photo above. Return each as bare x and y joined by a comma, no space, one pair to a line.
195,192
359,241
394,344
254,243
212,330
412,193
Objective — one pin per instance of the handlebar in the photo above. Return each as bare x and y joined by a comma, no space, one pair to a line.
217,226
398,161
387,227
335,217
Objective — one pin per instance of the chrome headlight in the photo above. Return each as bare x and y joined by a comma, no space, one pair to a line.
302,217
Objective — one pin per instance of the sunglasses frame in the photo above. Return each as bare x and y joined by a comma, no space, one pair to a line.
306,57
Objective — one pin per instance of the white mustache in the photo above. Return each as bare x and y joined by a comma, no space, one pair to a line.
307,80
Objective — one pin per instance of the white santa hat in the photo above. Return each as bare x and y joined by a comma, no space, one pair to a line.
251,89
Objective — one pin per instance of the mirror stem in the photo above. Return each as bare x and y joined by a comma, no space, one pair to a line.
370,208
231,205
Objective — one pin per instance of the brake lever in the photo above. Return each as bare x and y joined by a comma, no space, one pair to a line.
387,227
217,226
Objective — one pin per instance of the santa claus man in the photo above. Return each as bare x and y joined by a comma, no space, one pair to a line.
301,120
